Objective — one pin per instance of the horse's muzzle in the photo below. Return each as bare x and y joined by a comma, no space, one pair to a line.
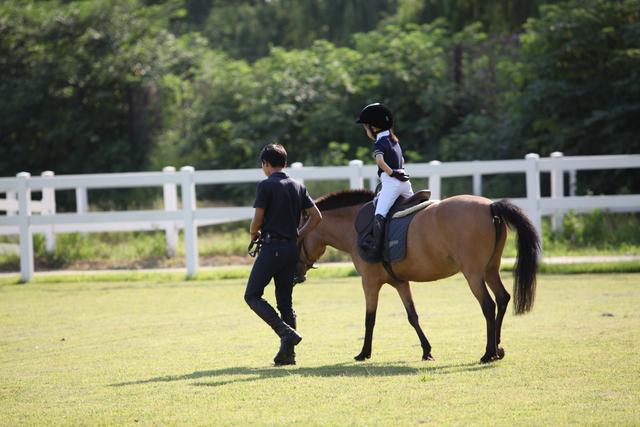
299,279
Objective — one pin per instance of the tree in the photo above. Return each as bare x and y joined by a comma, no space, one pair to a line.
582,77
496,16
81,84
578,85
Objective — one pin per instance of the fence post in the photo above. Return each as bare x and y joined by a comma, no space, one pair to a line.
477,183
533,191
170,198
11,197
190,228
26,235
573,182
297,166
435,180
49,208
355,177
557,192
82,200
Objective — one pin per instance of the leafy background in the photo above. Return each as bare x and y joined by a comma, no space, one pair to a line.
131,85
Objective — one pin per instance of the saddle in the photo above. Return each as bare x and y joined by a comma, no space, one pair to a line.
399,218
364,218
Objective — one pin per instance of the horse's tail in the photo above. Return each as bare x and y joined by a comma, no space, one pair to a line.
528,242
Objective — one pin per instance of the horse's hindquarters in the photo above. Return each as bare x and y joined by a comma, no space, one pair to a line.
454,235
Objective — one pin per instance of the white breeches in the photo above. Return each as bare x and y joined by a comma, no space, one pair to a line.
391,189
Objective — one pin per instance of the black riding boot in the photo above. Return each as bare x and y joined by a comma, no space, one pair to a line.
378,234
287,334
287,355
289,338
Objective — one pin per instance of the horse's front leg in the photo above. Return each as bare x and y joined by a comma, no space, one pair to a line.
371,292
404,290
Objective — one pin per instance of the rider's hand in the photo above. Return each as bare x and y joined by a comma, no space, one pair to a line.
400,174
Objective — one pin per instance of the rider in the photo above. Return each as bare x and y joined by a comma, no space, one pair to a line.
377,120
279,203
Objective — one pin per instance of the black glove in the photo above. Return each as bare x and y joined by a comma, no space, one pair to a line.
400,174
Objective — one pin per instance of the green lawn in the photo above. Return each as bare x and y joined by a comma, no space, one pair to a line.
169,352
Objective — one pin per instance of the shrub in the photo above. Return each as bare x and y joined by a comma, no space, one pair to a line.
599,229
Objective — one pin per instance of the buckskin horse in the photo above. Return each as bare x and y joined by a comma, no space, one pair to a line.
459,234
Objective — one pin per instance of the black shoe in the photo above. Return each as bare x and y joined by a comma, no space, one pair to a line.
286,355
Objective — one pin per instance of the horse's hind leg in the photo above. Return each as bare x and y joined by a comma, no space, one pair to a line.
404,290
502,300
371,292
479,289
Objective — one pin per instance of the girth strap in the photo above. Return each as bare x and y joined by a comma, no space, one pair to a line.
389,269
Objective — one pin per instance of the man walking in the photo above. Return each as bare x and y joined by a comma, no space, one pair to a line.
279,202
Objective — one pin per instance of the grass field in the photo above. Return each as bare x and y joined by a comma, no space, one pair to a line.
191,353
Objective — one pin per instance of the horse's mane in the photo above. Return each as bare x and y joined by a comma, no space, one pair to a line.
343,199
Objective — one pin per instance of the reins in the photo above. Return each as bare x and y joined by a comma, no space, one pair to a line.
302,249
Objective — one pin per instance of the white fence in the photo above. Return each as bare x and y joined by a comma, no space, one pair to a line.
19,206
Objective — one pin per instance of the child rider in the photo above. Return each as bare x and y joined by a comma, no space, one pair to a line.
377,120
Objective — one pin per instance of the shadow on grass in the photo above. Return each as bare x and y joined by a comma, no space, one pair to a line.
247,374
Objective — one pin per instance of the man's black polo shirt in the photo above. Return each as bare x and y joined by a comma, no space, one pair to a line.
283,199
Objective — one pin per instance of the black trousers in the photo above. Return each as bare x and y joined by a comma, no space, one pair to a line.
275,261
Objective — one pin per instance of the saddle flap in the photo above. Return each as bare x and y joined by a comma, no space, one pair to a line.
364,218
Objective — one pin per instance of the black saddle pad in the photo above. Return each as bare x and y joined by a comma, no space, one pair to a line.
395,241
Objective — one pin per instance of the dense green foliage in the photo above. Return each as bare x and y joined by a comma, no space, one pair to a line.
587,60
248,28
79,84
93,86
580,87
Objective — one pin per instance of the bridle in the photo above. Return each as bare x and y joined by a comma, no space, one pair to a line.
304,257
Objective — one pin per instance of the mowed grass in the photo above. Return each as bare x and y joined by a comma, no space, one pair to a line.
191,353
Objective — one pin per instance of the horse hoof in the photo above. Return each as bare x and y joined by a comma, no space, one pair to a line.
362,357
488,358
500,353
427,357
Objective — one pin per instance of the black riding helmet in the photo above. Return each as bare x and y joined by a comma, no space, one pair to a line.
377,115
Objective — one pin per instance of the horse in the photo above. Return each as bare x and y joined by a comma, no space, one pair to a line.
462,233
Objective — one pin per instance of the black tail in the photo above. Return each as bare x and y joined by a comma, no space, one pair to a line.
526,267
